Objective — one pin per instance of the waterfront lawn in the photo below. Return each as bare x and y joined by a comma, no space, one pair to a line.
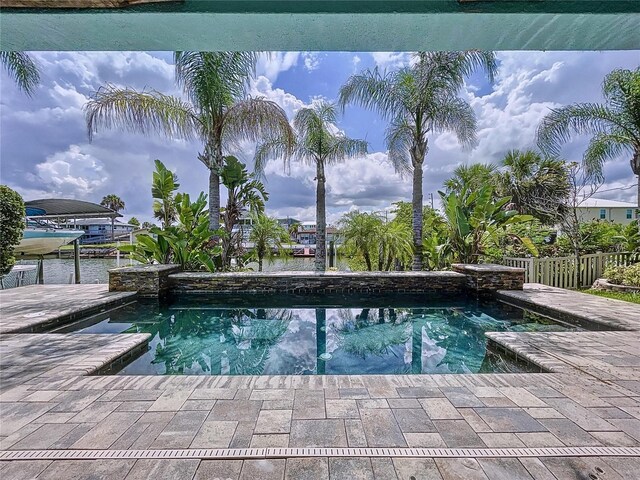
627,297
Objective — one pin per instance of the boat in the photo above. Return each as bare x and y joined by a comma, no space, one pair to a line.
304,251
42,240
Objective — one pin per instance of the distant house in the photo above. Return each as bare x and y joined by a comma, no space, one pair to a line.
98,230
306,234
610,210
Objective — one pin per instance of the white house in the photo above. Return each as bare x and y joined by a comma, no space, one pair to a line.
98,230
611,210
307,233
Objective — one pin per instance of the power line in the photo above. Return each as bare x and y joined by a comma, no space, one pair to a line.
618,188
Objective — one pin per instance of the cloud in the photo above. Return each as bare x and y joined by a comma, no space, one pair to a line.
270,66
391,60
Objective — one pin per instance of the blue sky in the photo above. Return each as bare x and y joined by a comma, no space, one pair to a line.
45,152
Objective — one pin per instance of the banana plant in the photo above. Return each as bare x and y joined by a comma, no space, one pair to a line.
185,243
477,220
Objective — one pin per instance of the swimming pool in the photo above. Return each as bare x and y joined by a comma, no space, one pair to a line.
306,335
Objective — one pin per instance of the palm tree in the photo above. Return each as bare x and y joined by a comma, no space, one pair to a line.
113,202
470,178
266,233
217,112
537,186
21,67
315,144
615,125
419,100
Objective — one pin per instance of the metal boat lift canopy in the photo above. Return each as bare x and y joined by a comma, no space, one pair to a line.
64,208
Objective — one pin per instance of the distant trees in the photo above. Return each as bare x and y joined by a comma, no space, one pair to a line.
113,201
12,225
134,221
382,245
266,234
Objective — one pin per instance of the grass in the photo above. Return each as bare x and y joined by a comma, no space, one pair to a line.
627,297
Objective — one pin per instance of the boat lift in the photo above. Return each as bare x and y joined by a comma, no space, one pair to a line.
53,211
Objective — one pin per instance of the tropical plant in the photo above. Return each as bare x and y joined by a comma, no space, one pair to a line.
418,101
537,186
245,193
218,112
163,186
266,234
380,244
624,275
134,221
112,201
23,69
11,226
147,225
476,221
614,125
186,243
315,143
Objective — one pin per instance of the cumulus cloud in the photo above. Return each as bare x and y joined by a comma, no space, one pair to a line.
45,150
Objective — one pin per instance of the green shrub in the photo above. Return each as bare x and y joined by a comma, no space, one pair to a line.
632,275
11,226
614,274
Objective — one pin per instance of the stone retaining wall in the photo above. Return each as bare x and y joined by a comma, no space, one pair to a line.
489,278
310,282
148,280
158,280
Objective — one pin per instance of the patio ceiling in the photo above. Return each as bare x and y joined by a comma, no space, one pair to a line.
352,25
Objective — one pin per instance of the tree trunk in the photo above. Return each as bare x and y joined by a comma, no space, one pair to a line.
214,199
321,220
635,167
259,264
416,201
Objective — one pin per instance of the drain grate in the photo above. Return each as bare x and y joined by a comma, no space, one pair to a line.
241,453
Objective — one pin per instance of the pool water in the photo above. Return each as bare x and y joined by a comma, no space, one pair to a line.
219,335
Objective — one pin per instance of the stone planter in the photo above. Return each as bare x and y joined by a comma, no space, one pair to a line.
604,284
488,278
148,280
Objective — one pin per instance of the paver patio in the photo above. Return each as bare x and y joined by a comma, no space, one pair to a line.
592,399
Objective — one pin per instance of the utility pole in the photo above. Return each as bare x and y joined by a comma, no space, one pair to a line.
431,199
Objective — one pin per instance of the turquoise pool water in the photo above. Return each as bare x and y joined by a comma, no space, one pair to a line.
331,335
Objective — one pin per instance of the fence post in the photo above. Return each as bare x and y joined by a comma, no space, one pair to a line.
531,270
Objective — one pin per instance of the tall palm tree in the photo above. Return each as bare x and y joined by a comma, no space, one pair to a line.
614,125
266,233
418,101
315,144
112,201
537,186
217,112
21,67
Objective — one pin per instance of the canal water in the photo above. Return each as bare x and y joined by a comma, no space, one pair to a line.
94,270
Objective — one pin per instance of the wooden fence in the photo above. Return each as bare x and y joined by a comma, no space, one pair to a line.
564,272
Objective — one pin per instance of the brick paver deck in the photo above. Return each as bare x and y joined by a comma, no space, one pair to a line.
592,399
38,307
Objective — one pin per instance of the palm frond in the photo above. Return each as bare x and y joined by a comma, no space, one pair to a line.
374,91
213,80
450,113
342,147
23,69
398,139
144,112
580,119
603,147
254,119
272,149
